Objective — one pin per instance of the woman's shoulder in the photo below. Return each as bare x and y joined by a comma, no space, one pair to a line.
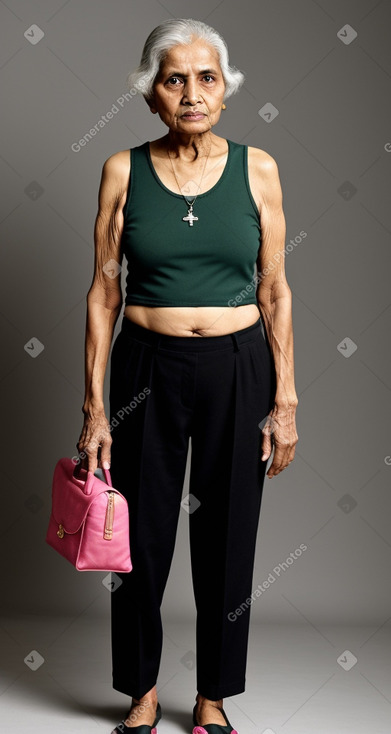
117,161
262,166
117,167
261,158
263,174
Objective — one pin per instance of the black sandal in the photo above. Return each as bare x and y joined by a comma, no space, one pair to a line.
143,728
212,728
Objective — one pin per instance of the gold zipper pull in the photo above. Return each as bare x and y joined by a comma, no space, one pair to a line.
108,532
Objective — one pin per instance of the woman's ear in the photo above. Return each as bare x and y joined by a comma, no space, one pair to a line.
151,105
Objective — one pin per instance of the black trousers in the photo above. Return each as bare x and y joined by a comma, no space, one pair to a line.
164,389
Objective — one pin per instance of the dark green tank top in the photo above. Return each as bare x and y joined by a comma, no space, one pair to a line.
170,262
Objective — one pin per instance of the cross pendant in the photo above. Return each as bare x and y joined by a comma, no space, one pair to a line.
190,217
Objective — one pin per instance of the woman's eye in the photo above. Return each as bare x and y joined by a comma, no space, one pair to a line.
172,79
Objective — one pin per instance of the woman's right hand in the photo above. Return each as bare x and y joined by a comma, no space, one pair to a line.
94,444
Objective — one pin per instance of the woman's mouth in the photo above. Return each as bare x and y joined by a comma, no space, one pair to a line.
190,116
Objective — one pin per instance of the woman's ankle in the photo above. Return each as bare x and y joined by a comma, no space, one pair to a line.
147,699
202,699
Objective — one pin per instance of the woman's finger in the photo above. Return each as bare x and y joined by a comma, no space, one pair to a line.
266,446
275,466
105,454
280,458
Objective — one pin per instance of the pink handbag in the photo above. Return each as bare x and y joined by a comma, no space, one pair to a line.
89,520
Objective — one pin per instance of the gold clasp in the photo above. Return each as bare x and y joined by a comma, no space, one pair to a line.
60,531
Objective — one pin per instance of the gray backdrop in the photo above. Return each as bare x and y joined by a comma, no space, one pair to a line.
326,68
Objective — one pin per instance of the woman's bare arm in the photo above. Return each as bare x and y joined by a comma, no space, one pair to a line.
275,303
104,303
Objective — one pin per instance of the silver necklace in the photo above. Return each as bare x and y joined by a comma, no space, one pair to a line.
190,216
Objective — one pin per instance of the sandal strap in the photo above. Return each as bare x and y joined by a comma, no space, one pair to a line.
121,728
213,728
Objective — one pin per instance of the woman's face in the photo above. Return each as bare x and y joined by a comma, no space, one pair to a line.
189,79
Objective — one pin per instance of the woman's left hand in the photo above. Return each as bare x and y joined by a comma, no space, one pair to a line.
281,427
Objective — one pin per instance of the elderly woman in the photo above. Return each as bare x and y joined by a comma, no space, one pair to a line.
205,351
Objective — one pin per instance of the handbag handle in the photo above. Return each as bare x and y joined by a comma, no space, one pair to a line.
107,476
90,478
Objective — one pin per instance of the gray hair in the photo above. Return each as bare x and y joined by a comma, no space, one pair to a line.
180,31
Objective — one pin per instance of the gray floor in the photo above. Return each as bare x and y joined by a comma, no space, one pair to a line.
295,684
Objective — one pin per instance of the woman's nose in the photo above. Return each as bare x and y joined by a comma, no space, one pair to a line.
191,94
